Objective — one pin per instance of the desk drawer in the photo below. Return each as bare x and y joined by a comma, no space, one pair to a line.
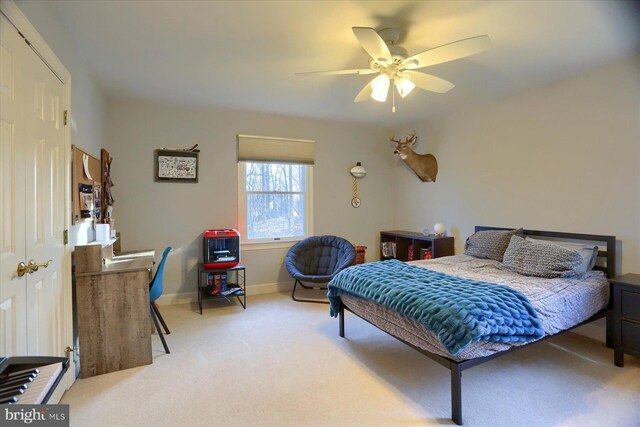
631,336
630,305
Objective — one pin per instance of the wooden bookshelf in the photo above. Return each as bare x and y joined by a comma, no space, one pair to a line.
407,242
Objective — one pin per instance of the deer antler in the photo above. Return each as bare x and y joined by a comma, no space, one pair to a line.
411,138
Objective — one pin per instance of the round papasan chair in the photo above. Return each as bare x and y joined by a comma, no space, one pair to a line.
316,260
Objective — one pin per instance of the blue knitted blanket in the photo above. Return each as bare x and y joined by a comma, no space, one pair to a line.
459,311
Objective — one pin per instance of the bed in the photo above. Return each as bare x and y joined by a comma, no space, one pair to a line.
561,304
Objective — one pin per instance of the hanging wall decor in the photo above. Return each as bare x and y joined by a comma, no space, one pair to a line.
424,165
357,172
176,165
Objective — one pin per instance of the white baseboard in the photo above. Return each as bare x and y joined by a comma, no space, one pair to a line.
252,290
180,298
269,288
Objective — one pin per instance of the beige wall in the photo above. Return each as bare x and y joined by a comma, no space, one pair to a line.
564,157
155,215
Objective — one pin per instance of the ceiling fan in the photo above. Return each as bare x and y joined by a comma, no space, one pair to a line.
396,68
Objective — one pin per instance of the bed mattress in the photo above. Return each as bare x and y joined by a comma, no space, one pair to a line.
561,303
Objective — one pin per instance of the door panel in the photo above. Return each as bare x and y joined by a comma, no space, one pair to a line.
43,236
13,316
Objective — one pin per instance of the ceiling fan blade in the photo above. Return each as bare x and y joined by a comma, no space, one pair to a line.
373,44
428,82
337,72
364,94
448,52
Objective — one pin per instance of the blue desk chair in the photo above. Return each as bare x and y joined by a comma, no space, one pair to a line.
316,260
155,291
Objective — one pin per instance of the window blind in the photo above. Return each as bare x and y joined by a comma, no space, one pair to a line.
275,150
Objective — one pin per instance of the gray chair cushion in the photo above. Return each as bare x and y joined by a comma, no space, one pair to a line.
317,259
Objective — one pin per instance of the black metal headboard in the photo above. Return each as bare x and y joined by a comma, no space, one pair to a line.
609,254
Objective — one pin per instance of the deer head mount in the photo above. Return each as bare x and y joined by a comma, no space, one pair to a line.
424,165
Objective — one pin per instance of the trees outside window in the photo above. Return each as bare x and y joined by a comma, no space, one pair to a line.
275,201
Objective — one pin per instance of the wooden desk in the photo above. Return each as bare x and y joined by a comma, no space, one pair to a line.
114,326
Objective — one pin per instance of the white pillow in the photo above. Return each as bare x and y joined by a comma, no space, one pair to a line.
589,253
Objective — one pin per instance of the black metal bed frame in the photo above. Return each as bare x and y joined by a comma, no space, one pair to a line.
456,367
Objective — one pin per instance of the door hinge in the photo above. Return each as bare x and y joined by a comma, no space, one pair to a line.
66,117
65,237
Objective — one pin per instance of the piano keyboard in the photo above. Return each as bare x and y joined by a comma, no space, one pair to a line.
29,386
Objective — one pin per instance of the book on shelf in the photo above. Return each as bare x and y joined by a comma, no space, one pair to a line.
388,249
218,282
410,253
426,253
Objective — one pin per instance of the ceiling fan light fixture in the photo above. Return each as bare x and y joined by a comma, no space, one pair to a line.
404,86
412,63
398,69
380,88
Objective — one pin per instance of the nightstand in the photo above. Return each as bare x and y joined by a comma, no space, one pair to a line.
626,316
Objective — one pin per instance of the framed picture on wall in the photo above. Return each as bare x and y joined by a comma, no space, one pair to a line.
176,166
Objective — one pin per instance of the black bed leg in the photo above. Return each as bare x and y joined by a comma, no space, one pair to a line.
456,394
341,321
609,334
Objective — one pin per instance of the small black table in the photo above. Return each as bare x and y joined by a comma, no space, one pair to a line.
236,284
626,316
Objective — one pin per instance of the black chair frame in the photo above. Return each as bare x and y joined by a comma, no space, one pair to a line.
155,315
318,287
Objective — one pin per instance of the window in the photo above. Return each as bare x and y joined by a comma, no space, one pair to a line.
274,201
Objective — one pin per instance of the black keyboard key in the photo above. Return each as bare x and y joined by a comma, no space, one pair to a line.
16,392
24,371
16,382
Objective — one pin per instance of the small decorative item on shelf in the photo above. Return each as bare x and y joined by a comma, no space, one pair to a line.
360,252
439,229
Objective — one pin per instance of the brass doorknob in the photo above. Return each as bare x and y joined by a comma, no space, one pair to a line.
32,266
22,269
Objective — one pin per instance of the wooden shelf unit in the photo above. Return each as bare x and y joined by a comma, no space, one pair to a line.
440,246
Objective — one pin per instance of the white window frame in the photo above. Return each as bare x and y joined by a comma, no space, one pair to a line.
279,242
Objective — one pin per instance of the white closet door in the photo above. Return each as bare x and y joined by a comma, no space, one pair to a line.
33,160
13,291
44,156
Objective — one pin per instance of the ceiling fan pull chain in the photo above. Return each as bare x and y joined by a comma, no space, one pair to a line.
393,96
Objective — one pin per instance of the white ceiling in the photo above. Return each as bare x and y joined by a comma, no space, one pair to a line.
243,54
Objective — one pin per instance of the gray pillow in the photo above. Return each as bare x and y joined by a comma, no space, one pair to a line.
489,244
589,253
533,258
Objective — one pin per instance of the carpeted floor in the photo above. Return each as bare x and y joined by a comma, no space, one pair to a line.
282,363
